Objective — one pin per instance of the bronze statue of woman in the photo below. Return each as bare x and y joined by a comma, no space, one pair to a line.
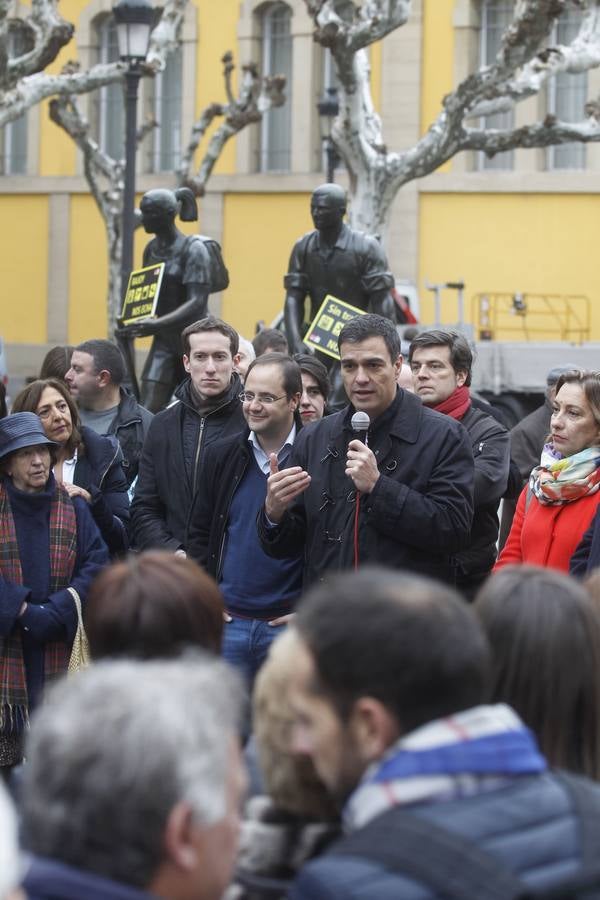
184,291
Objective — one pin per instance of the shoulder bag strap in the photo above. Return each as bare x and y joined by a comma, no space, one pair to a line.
447,863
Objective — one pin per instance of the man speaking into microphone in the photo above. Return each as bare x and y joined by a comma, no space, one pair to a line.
397,490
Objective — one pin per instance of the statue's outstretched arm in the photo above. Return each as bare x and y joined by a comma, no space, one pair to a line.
293,315
381,304
194,307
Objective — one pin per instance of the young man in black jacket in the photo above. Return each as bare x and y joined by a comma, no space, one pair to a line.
259,591
207,408
441,363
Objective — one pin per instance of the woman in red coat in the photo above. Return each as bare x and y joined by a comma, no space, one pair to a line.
560,500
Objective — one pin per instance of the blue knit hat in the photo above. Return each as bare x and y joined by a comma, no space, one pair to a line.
20,430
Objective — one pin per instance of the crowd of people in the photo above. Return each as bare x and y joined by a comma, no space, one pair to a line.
303,614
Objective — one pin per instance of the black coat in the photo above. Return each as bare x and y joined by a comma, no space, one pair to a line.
416,517
587,555
490,443
130,427
171,461
224,466
99,470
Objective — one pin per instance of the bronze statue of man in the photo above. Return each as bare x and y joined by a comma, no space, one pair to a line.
334,259
184,291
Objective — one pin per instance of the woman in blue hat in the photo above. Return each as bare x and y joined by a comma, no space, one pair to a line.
49,549
89,465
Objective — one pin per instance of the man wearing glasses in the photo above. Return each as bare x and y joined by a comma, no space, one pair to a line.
259,591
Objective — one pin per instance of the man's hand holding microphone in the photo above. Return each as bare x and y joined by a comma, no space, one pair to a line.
361,463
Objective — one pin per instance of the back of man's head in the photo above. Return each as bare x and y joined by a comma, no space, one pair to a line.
406,641
269,340
553,376
113,753
107,358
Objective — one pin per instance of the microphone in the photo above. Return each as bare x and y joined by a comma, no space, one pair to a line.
360,423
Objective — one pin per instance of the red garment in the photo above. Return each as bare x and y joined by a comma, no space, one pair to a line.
457,404
547,535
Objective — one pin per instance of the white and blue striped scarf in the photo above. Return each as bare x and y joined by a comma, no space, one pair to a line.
473,751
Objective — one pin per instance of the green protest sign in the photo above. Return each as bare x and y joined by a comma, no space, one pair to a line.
142,294
325,328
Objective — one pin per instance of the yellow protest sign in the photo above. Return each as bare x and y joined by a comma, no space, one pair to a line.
325,328
142,294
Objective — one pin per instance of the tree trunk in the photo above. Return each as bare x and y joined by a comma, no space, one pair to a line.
525,63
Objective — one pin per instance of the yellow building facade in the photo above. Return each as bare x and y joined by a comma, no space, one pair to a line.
524,224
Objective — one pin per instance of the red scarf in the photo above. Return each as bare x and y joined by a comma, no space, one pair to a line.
457,404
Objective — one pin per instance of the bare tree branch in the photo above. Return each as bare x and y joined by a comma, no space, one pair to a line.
23,83
527,60
256,95
581,55
228,70
199,129
145,128
65,112
50,34
542,134
34,88
106,179
165,35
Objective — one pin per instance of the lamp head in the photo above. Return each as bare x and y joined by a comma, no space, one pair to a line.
135,19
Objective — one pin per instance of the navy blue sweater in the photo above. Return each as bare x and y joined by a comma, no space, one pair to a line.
252,583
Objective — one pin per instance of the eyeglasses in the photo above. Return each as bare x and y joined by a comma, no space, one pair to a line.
263,399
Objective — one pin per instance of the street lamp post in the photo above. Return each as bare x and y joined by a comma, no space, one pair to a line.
135,20
328,108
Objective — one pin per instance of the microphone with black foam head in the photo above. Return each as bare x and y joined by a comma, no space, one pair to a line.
360,423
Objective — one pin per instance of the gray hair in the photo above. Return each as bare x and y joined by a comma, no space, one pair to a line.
113,750
9,850
247,348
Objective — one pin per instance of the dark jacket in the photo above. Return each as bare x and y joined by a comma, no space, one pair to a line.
48,879
418,514
224,466
490,444
50,615
529,825
130,427
527,440
587,555
171,460
99,470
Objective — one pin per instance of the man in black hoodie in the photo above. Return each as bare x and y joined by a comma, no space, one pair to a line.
207,408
